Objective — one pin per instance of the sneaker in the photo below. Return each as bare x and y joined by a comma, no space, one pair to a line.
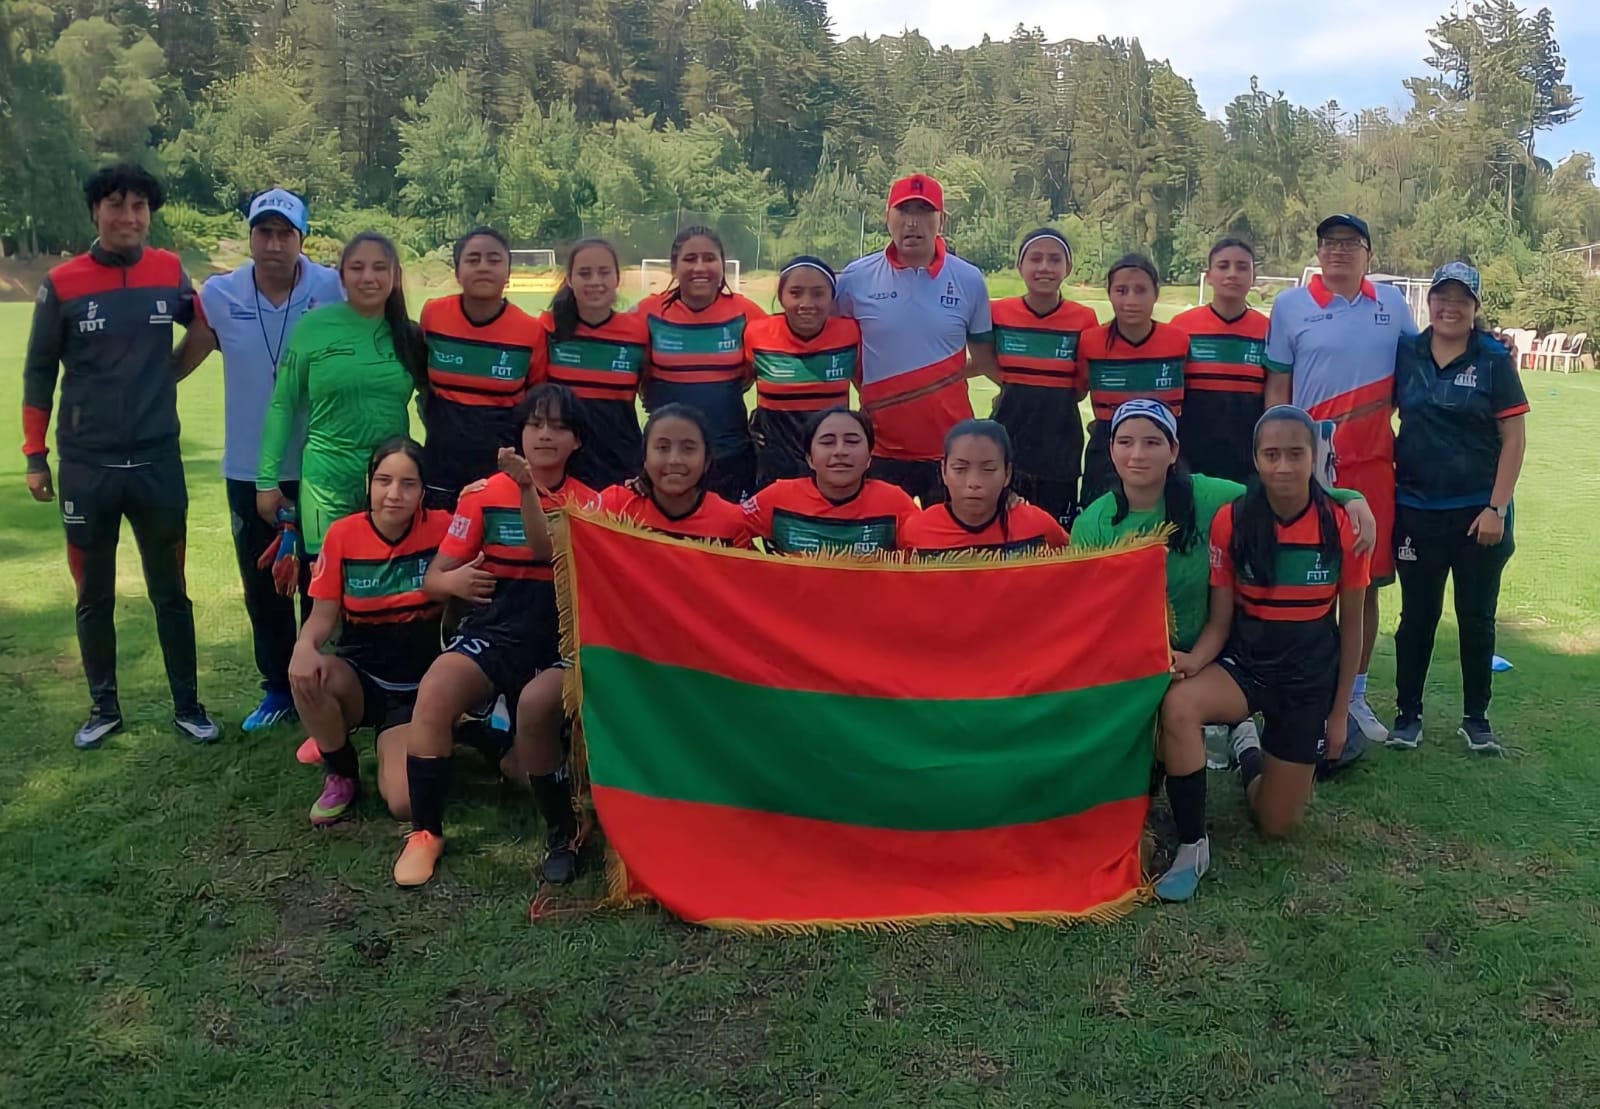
560,865
1407,732
1367,720
338,794
308,752
195,724
417,859
101,723
1183,877
1219,755
275,707
1480,737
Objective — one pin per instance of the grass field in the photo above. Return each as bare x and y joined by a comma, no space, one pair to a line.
174,934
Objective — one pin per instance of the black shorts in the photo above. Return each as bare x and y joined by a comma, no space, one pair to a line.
382,708
1296,717
920,478
438,496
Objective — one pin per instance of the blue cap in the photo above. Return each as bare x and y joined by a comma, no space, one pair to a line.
283,204
1462,274
1149,409
1345,219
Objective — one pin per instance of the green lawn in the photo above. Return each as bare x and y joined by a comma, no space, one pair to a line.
174,934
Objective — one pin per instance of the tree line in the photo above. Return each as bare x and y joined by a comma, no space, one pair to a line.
554,118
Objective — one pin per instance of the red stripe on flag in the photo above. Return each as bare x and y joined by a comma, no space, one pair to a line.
1089,622
720,865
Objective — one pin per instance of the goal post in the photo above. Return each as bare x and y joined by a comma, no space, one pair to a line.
533,259
656,273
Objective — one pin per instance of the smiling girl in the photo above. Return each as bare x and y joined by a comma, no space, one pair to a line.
978,515
671,493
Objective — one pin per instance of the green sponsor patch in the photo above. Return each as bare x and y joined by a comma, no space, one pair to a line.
1145,375
1302,566
820,368
1026,343
599,355
503,526
697,339
370,579
796,534
452,356
1232,350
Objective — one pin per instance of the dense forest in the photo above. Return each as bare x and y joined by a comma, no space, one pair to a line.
554,118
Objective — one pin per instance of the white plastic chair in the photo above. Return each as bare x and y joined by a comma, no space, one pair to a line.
1569,354
1546,348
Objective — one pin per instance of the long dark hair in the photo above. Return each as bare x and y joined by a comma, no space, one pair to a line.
996,433
1178,497
395,444
553,403
673,293
1255,537
673,411
564,305
408,345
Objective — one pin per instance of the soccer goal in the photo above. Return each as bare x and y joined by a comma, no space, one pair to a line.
656,273
533,259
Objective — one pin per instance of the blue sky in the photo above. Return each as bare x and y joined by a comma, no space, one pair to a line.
1354,51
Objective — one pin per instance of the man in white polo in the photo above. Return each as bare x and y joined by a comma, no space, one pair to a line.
249,315
924,316
1330,350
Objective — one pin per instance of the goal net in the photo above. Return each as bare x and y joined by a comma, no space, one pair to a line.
656,273
533,259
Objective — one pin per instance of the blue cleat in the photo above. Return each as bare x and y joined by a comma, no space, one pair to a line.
1183,877
276,706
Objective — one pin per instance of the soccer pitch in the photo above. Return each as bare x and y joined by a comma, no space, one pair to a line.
175,934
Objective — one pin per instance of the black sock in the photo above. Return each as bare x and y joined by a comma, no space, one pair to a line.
553,794
343,762
429,779
1249,765
1186,793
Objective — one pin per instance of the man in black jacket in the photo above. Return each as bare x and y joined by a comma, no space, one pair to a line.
105,318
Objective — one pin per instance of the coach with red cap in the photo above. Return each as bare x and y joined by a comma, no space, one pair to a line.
923,312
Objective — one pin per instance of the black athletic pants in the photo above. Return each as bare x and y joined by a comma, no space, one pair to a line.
153,497
273,628
1430,546
733,477
920,479
1056,496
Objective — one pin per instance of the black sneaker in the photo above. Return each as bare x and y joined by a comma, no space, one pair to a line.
101,723
1480,738
196,725
560,865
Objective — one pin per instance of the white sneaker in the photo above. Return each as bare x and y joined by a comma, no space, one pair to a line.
1367,720
1188,867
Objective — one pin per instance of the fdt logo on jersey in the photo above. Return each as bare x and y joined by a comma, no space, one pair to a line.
89,323
950,299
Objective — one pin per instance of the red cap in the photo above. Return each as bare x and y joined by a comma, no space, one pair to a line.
919,186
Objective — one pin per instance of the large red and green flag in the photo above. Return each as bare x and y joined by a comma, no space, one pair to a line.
798,743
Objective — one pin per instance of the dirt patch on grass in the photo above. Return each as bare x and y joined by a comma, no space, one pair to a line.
462,1042
1556,1006
305,907
1508,909
1357,1084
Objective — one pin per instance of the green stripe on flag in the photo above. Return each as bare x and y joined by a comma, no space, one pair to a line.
669,732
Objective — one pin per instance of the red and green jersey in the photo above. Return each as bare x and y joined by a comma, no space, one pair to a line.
1118,370
1041,381
1225,384
477,372
1285,627
793,517
796,378
490,521
712,518
1024,529
603,365
698,358
390,626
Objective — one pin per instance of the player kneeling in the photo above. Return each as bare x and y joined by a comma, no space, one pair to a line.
497,558
367,585
1282,557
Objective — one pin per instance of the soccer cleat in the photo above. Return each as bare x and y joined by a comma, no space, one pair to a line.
196,725
1367,720
417,859
1183,876
1480,737
1407,732
338,794
560,865
101,723
275,707
308,752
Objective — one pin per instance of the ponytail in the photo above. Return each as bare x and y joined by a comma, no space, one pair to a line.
1255,536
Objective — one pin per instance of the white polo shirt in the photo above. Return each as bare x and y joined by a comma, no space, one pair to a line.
252,334
915,326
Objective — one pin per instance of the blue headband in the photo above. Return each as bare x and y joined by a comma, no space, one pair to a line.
1147,409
